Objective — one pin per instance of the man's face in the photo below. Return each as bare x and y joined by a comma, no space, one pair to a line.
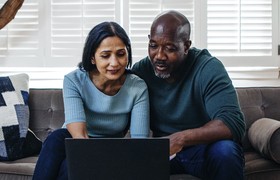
166,51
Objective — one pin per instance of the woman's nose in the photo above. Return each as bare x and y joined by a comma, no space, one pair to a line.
114,61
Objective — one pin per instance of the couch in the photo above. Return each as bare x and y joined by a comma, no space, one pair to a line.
47,114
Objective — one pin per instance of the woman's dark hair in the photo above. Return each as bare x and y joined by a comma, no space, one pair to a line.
96,36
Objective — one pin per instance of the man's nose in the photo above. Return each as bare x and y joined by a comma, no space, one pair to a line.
160,54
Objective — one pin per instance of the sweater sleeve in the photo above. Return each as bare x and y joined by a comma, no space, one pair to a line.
220,98
73,104
140,114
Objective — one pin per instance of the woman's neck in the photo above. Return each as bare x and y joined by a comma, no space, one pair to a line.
108,87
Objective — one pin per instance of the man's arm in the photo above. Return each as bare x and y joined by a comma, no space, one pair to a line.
210,132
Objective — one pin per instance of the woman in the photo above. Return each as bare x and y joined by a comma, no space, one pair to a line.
101,99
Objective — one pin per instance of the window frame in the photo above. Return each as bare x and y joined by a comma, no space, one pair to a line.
50,70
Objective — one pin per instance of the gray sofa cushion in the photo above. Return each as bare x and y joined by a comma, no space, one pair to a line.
46,111
21,169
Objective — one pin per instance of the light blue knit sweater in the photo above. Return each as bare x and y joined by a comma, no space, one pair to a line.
106,116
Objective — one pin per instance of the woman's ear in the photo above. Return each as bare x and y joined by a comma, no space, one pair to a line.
92,60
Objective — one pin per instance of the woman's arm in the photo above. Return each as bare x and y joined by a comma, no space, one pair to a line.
140,115
77,130
73,107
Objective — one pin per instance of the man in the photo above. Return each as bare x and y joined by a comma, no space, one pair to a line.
193,102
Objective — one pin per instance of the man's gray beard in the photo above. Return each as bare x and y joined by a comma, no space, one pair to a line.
163,76
160,75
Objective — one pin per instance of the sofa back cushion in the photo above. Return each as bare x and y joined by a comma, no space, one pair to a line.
257,103
46,111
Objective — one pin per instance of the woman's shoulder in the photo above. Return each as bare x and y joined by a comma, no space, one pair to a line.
134,85
76,76
134,78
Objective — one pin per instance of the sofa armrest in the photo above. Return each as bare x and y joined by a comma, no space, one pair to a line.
264,135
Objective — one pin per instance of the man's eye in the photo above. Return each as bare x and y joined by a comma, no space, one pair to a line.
152,45
170,49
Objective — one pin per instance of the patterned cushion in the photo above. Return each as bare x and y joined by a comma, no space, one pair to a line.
16,140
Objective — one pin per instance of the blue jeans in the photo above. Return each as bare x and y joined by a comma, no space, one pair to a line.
51,164
217,161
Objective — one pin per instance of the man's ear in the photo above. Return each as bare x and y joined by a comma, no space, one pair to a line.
187,45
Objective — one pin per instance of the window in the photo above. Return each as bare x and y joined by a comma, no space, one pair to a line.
48,36
20,40
140,14
70,22
241,28
242,32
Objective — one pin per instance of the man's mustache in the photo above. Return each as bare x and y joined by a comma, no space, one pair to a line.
160,63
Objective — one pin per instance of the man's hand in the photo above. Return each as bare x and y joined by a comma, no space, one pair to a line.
176,142
212,131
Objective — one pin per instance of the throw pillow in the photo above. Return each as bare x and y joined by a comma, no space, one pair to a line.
16,140
264,135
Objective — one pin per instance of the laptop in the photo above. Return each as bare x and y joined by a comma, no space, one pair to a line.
118,159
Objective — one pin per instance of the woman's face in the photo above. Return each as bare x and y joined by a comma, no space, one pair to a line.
111,58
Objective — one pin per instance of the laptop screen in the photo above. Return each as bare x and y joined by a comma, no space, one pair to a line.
118,159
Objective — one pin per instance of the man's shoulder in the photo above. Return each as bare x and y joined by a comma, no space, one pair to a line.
200,52
142,63
141,67
204,57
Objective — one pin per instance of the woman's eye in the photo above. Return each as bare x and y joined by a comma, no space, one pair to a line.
121,54
105,56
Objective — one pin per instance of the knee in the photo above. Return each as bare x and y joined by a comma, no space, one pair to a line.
225,151
56,139
224,160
